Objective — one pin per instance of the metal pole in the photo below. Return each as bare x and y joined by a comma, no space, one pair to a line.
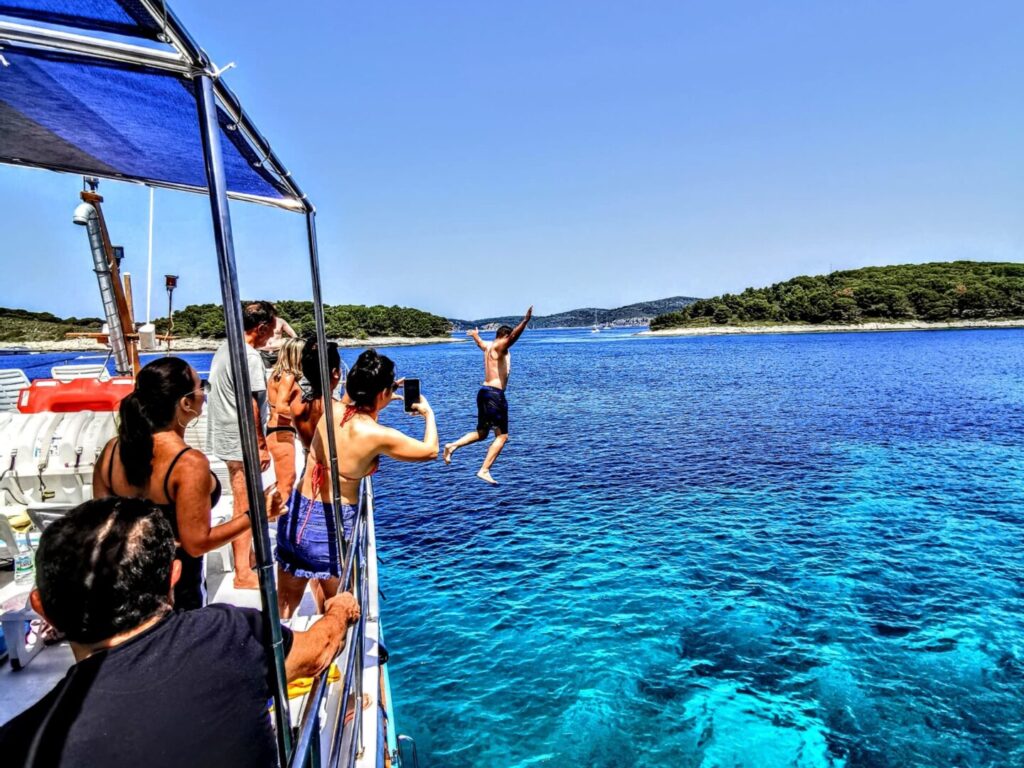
149,266
307,737
209,130
325,384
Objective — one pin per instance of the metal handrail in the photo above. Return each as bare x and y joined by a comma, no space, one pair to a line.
307,734
353,679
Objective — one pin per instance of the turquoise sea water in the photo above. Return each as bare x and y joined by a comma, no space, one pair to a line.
743,551
736,551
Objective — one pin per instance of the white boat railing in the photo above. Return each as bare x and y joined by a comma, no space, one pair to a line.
347,738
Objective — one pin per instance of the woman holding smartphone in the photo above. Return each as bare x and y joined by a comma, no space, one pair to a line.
306,538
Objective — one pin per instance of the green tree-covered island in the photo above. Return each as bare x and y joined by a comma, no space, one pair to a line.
343,321
939,292
205,323
17,325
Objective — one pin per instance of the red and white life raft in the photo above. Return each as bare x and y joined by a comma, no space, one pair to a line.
52,396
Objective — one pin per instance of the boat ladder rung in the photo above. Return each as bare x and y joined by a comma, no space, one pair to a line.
402,741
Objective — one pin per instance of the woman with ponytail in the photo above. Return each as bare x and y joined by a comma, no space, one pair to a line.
150,460
306,538
282,383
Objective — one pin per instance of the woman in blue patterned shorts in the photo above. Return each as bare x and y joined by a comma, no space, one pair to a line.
307,542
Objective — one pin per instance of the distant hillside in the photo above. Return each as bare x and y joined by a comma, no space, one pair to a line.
629,315
937,292
22,325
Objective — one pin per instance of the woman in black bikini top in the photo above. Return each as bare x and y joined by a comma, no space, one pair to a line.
150,460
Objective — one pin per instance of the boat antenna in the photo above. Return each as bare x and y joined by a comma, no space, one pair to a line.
170,282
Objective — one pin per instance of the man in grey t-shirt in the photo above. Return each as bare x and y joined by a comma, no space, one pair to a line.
223,436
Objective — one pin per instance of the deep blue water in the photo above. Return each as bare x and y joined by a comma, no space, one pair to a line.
38,365
735,551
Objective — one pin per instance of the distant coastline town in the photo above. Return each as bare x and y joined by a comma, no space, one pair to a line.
938,295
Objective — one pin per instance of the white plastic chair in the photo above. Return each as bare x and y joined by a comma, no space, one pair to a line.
66,373
195,433
12,381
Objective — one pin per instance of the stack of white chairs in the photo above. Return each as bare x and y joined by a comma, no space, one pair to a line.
12,381
66,373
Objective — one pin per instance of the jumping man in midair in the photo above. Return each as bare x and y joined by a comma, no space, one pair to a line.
491,406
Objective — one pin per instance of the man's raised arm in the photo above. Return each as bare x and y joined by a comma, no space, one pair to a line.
475,336
513,337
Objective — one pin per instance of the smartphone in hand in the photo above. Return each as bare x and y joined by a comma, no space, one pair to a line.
412,393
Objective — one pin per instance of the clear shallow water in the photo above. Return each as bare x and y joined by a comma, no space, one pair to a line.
743,551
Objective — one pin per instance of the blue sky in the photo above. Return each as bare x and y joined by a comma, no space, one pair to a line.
471,158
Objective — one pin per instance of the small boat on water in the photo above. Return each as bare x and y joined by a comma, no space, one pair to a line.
65,110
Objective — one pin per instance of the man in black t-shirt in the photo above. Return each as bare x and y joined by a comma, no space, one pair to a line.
151,686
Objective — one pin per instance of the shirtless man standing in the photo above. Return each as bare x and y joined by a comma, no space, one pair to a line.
491,406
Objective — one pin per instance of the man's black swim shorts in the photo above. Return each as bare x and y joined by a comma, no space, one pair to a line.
491,410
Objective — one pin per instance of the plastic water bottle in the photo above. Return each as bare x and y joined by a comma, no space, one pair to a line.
25,564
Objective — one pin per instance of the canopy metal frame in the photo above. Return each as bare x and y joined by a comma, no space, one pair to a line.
188,60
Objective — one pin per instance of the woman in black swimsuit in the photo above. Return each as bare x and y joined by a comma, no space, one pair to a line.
150,460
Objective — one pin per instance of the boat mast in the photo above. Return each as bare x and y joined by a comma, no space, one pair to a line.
124,341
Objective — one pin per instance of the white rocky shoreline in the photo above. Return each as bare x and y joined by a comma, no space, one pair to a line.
193,344
909,325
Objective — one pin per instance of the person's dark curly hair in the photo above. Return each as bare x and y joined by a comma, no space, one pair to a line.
311,362
105,568
371,375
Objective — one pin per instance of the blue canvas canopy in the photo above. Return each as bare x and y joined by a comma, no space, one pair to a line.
122,17
99,107
66,113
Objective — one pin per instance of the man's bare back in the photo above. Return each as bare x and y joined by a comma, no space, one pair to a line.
497,364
